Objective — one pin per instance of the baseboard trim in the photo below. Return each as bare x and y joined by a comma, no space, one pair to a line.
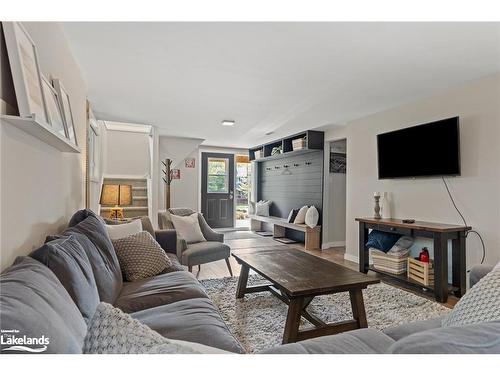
352,258
328,245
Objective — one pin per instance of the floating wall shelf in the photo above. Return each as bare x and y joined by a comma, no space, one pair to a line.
41,131
314,141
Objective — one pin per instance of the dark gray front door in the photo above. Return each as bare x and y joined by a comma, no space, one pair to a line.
217,189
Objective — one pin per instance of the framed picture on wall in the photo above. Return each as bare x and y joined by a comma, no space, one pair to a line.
54,113
190,162
175,174
65,104
26,73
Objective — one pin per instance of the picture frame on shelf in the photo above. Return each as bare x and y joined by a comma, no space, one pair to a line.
65,104
26,73
54,111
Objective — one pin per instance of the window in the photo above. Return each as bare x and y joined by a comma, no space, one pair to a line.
218,175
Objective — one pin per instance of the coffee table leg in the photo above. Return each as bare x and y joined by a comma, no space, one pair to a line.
358,307
295,307
242,281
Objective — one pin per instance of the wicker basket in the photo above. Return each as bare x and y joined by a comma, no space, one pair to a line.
421,272
299,143
257,154
389,263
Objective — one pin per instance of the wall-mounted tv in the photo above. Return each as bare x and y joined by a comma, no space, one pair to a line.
428,150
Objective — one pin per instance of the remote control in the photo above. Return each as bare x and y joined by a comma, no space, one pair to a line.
408,221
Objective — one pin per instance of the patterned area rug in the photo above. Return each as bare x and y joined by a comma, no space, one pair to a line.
258,320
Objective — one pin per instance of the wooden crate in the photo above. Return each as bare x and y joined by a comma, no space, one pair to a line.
421,272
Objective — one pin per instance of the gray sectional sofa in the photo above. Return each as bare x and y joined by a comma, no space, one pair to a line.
55,290
51,294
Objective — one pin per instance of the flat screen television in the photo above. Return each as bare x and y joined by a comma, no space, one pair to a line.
428,150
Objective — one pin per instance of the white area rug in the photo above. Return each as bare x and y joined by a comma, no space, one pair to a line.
258,320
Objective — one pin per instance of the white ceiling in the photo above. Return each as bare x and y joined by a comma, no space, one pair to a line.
185,78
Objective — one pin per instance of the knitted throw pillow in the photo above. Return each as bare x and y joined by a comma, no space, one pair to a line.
480,304
140,256
111,331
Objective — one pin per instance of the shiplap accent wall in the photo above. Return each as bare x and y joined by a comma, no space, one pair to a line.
293,187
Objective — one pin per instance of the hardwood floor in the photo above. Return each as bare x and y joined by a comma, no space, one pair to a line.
249,240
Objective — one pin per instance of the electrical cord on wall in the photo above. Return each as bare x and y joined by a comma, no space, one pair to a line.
465,221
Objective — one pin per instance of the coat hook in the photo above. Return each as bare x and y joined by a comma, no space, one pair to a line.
285,166
308,163
295,164
276,167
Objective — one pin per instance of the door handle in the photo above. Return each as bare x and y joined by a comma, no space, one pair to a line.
231,196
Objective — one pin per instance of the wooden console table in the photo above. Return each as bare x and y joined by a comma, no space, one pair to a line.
440,233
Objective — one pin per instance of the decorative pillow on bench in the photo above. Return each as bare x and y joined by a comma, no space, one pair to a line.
140,256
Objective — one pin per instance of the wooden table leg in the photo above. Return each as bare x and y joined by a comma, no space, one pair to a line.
295,307
363,250
358,307
242,281
440,267
459,272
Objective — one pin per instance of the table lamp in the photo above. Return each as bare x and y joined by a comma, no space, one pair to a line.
116,195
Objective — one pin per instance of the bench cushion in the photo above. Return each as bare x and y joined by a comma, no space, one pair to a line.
194,320
159,290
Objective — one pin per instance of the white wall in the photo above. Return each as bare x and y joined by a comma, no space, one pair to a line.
40,186
477,191
127,154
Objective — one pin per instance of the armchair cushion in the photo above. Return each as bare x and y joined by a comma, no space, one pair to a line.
205,252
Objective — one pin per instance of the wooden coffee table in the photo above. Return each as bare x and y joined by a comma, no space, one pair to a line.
296,277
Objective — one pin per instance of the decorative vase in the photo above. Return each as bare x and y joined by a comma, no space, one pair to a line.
385,206
376,196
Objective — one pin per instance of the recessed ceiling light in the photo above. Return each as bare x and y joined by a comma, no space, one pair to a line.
228,122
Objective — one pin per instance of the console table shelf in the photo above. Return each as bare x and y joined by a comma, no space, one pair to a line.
440,234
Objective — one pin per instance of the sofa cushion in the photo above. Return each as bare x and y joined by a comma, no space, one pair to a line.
195,320
205,252
361,341
401,331
140,256
475,338
97,244
111,331
33,302
480,304
159,290
69,262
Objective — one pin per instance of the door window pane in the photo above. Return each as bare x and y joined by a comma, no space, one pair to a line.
218,175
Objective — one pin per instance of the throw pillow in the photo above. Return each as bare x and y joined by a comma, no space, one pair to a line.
262,208
145,221
381,240
251,208
111,331
402,245
312,217
301,216
140,256
188,228
124,230
480,304
292,215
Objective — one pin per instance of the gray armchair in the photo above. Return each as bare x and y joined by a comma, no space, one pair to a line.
196,254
